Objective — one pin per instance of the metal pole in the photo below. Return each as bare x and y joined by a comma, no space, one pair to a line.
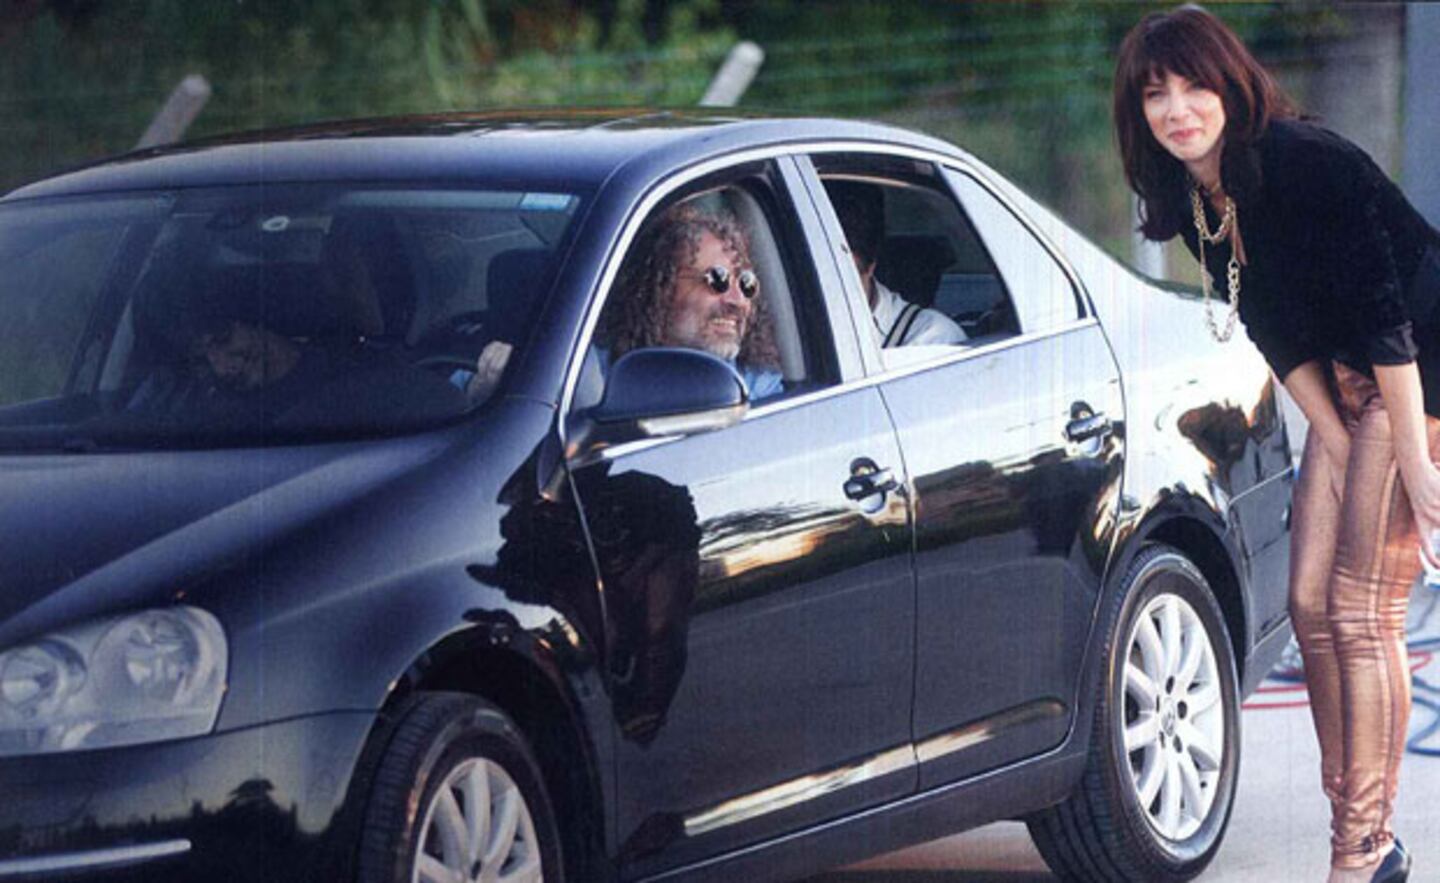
734,76
178,113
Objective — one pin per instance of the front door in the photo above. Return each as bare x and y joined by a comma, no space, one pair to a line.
760,602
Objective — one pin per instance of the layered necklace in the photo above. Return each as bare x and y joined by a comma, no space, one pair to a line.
1232,270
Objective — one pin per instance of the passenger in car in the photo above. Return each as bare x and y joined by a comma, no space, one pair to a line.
265,376
688,283
860,208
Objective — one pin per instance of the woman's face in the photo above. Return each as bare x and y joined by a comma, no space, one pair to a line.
1188,120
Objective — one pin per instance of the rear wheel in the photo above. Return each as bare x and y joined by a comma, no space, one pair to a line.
1157,792
458,799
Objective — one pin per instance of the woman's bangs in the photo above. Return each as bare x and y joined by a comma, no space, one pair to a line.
1171,50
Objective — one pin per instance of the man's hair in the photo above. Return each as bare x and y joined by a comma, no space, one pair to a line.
861,210
639,310
1196,45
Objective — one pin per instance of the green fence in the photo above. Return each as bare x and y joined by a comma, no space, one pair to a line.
1023,86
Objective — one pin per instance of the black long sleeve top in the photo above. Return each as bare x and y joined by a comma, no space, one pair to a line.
1340,265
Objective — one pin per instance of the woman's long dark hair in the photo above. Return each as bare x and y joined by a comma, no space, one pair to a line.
1196,45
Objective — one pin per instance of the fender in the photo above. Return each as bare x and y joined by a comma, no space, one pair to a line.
1173,512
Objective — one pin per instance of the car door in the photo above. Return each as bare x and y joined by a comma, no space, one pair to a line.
757,579
1013,448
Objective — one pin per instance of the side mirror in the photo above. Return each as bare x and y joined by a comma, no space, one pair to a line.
662,391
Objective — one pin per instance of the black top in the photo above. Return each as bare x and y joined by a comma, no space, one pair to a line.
1341,266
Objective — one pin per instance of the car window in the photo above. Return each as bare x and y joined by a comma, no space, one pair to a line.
230,314
53,276
718,267
1044,296
928,278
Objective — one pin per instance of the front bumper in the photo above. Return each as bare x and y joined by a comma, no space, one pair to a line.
259,804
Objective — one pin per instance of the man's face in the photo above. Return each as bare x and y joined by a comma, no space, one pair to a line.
237,355
702,318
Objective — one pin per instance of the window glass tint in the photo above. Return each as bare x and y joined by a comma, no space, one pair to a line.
247,314
928,279
52,270
1043,294
933,258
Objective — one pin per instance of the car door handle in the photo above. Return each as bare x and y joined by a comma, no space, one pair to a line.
1083,428
868,484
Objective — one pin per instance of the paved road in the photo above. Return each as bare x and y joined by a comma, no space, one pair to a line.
1280,830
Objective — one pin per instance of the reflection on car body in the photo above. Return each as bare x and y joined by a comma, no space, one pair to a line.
338,523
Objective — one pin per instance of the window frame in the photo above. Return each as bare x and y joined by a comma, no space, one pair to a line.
947,165
826,324
931,181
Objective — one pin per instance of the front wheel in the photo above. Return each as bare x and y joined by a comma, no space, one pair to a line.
1157,792
458,797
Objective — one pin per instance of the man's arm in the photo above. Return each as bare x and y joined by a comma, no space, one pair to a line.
762,382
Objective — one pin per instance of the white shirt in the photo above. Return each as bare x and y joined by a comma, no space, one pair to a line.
928,326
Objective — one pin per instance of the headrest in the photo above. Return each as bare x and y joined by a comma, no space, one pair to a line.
911,265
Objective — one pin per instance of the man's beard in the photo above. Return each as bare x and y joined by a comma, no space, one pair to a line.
704,336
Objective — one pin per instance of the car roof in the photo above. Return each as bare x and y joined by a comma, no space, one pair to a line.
563,149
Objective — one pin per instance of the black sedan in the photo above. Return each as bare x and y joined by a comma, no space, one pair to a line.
610,496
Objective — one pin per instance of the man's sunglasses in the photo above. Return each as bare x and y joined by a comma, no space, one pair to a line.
718,278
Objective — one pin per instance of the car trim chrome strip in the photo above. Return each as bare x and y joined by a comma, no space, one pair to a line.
1263,483
961,354
787,794
93,860
648,202
990,728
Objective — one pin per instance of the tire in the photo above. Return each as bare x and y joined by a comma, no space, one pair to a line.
1157,811
448,754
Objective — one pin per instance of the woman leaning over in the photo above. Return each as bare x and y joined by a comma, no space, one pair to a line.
1336,279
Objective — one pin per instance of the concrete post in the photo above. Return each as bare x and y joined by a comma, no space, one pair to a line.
734,76
1355,86
1420,171
178,113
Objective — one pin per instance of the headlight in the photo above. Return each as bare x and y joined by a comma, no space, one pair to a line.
154,675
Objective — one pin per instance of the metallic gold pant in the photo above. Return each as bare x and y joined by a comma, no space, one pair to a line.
1353,560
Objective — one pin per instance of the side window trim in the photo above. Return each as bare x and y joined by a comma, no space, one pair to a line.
651,197
843,268
855,296
787,191
949,163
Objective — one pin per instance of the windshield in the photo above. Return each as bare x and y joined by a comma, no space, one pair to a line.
264,313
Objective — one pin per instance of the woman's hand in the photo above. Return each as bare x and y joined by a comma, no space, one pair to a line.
1307,386
1400,388
1423,487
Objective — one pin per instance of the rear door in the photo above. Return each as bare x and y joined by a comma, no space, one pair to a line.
1013,448
760,651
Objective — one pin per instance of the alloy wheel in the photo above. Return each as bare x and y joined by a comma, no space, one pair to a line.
1173,716
478,828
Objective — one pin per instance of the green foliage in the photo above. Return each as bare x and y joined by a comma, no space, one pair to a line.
1024,85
